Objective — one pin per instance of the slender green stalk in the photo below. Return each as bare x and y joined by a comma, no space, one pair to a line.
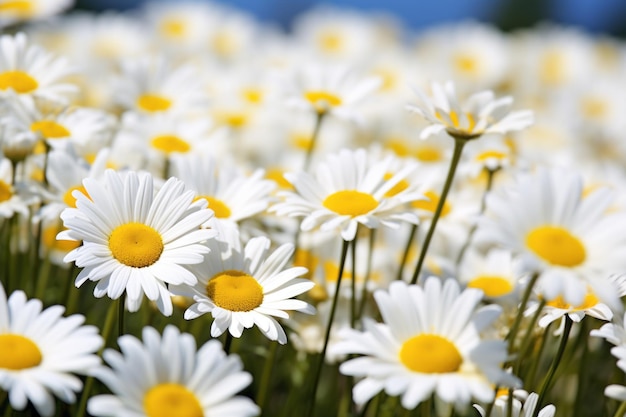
42,277
621,411
266,375
555,363
483,206
459,143
530,378
353,311
322,356
71,292
368,272
520,313
583,368
316,130
120,315
528,338
509,403
407,249
228,342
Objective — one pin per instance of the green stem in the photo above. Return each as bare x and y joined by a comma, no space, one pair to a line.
353,311
407,249
621,411
316,130
121,308
555,363
483,206
322,356
368,272
42,277
266,375
528,338
228,342
583,368
520,313
71,292
459,143
530,378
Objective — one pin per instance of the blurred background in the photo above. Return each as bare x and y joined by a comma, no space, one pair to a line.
596,16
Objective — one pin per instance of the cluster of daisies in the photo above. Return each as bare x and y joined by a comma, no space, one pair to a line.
203,215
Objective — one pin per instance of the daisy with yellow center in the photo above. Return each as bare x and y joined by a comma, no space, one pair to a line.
496,273
13,198
570,240
246,287
30,71
12,11
41,351
428,344
135,240
166,376
479,114
348,189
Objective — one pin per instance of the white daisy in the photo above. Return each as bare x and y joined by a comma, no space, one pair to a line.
348,189
135,240
167,376
480,114
40,351
429,343
243,288
12,11
525,408
15,197
570,240
30,71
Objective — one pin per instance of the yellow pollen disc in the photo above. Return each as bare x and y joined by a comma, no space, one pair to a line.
69,199
307,259
301,141
171,400
490,154
456,123
173,28
350,202
49,239
429,154
321,100
277,175
594,108
136,245
233,118
431,204
552,68
220,209
223,44
331,271
18,80
389,79
556,246
398,145
6,191
235,291
253,95
153,103
18,352
22,8
492,286
331,41
466,63
590,301
430,354
396,189
50,129
170,144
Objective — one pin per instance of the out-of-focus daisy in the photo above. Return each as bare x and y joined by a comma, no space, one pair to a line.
15,197
429,343
569,239
232,195
327,90
135,240
490,153
30,71
348,189
525,408
245,287
479,114
167,376
40,351
12,11
153,85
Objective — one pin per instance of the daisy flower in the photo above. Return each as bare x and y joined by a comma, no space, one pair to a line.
327,90
243,288
134,239
30,71
13,198
429,343
40,351
571,240
166,376
12,11
525,408
347,190
479,114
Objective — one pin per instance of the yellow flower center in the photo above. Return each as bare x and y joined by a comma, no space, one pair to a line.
235,291
431,204
552,68
277,175
171,400
590,301
253,95
18,352
388,77
556,246
430,354
69,199
428,154
223,44
350,203
492,286
136,245
594,108
170,144
301,141
232,118
307,259
396,189
220,209
6,191
153,103
50,129
17,80
49,239
173,28
322,100
22,8
490,154
331,41
466,63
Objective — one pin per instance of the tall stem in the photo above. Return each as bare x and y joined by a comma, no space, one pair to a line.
320,362
316,130
407,249
266,375
459,143
520,312
120,315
